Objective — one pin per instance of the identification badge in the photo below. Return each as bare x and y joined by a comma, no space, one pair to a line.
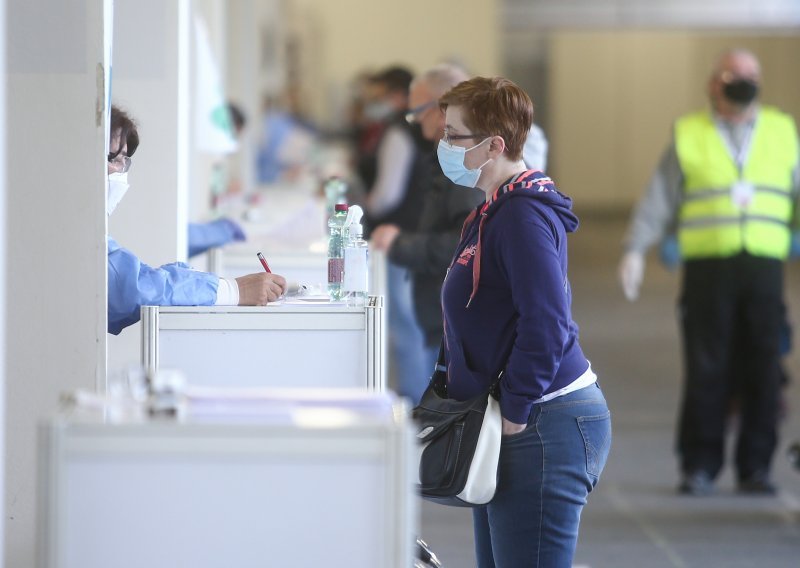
742,193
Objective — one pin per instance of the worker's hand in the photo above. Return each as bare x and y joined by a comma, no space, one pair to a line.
383,236
631,274
510,428
260,288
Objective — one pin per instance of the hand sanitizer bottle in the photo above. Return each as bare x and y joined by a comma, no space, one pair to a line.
355,283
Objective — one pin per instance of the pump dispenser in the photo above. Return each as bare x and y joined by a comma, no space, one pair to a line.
355,284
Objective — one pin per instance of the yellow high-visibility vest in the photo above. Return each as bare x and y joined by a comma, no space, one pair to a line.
710,223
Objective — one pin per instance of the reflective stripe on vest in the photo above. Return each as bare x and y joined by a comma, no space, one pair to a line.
710,224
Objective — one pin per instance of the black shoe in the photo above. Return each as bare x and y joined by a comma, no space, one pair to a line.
696,483
757,483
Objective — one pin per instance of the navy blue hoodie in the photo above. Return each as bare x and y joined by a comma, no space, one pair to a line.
507,300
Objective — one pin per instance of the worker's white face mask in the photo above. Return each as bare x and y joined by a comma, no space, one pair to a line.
117,186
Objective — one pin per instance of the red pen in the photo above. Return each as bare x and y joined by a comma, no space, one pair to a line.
264,262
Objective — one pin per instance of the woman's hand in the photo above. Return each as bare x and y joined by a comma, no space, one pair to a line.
383,237
512,427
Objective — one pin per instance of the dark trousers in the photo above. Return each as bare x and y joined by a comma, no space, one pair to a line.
731,314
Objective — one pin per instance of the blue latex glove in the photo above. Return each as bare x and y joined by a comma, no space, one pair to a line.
794,247
670,252
203,236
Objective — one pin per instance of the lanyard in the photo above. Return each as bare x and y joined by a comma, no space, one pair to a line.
739,157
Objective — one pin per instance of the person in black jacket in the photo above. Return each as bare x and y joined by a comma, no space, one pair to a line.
427,250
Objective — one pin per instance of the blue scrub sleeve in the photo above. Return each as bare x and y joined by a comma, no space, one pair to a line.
203,236
133,284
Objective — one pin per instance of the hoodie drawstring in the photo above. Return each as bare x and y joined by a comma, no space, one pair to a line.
476,261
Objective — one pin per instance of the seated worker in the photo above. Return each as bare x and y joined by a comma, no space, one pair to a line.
132,283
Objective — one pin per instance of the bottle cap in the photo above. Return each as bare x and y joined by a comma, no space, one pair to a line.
340,207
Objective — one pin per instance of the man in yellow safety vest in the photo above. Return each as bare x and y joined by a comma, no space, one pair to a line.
728,185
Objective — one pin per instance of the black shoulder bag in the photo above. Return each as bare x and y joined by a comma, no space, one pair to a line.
460,443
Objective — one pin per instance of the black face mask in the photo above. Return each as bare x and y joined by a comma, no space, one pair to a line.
741,91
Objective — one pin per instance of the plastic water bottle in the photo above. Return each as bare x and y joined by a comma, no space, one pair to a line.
336,242
335,192
356,260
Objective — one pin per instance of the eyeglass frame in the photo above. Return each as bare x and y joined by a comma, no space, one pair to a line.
413,113
450,137
120,160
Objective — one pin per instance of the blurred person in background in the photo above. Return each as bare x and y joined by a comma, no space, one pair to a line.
395,191
366,126
390,181
534,153
427,250
132,283
220,232
507,312
286,139
729,182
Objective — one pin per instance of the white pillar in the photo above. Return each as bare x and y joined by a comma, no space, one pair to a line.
255,42
3,301
56,248
151,82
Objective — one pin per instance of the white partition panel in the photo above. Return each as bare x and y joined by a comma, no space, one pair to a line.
277,345
303,267
231,493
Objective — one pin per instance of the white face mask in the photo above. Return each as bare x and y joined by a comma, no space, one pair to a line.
451,158
117,186
378,110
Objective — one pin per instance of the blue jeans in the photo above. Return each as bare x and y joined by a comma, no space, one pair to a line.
545,474
405,338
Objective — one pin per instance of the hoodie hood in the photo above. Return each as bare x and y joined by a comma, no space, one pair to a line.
530,184
533,184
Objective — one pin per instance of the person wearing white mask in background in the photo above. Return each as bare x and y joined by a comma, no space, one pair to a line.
132,283
426,250
397,177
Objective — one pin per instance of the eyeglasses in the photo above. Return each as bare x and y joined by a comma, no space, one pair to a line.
413,114
119,163
730,77
450,137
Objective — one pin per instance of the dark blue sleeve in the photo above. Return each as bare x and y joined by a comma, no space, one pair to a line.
531,257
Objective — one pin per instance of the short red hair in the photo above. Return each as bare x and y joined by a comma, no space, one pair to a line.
494,107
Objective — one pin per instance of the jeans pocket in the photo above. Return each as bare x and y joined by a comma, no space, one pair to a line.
596,433
515,435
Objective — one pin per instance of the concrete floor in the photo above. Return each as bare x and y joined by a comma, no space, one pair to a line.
635,517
